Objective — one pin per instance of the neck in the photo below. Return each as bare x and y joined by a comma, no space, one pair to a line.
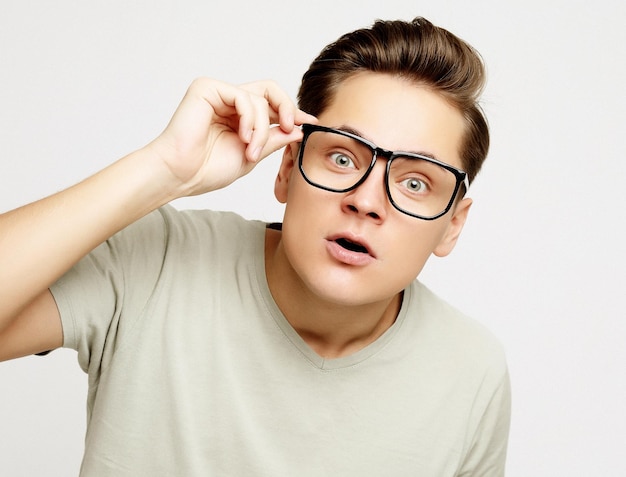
332,330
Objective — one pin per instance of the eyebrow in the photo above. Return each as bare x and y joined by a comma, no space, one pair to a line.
351,130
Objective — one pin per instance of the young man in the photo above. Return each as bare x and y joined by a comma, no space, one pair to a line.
220,346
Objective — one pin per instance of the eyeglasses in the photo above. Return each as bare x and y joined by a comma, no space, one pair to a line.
416,185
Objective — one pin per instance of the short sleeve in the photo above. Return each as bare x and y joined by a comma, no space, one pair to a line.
99,298
487,454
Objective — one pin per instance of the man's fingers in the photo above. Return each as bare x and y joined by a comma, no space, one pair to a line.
278,139
282,110
276,108
250,110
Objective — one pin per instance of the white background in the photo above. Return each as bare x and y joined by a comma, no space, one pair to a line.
541,261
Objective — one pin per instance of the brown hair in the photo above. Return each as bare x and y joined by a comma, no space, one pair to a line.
418,51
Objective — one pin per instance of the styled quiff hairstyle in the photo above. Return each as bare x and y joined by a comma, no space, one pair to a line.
417,51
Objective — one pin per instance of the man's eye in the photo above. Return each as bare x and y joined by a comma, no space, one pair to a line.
342,160
415,185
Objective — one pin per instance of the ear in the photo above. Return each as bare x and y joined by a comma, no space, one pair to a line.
281,185
451,235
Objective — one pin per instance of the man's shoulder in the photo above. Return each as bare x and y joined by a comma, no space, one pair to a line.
456,333
203,218
186,224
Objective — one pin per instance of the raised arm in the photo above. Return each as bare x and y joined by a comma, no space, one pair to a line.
218,134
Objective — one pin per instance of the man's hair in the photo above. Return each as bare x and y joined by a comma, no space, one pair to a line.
417,51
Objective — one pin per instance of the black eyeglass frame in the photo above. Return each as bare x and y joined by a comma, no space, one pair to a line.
461,176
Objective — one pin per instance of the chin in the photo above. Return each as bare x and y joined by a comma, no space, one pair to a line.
347,293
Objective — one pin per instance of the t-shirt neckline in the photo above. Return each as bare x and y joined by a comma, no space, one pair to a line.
292,335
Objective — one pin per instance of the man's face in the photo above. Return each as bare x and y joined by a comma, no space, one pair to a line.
320,227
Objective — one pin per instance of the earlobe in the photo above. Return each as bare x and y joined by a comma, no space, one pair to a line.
451,236
281,185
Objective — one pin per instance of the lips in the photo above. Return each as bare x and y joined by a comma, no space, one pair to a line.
350,248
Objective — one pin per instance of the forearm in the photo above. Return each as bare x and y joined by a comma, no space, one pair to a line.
41,241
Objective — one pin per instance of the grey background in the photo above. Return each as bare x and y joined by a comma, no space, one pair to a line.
541,261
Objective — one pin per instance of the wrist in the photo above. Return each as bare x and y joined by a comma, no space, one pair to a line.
152,178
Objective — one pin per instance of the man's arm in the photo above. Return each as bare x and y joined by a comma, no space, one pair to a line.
218,133
36,329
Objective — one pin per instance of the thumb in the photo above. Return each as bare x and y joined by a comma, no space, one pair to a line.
278,139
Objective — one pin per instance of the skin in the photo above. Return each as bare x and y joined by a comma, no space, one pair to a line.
341,301
338,301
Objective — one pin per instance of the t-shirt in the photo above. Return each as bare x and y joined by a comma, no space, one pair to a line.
194,371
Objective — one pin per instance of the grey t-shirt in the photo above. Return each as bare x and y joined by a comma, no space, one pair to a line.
194,371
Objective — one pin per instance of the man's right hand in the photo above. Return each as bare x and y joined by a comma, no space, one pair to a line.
220,132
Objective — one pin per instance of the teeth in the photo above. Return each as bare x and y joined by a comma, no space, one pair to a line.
354,247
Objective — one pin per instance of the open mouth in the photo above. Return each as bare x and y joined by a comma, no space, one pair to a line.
352,246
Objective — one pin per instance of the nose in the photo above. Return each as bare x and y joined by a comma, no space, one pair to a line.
369,199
